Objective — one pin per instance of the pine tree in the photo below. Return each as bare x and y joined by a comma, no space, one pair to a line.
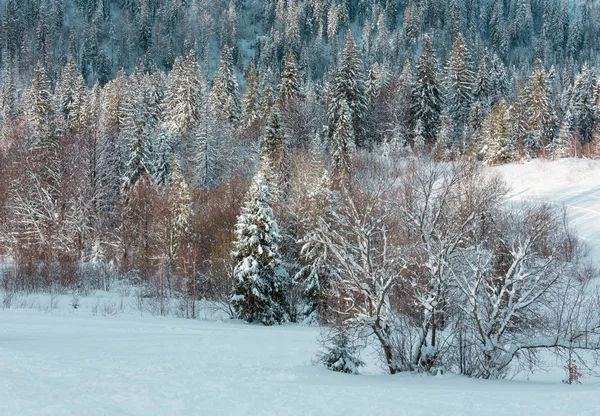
184,96
289,87
251,101
162,157
260,285
267,102
459,88
518,121
341,144
426,94
583,105
39,109
211,153
561,147
541,119
348,87
499,86
315,273
181,209
137,165
275,154
483,82
225,93
340,354
497,136
419,140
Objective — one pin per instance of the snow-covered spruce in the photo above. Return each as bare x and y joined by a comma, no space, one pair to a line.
340,354
260,278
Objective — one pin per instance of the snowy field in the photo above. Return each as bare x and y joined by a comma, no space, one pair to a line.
106,359
74,363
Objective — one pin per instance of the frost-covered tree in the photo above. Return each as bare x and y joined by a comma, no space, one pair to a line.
341,148
289,87
582,104
162,157
225,94
137,164
251,101
39,109
541,118
459,85
497,136
562,146
426,95
211,152
180,210
348,87
260,279
275,153
340,354
184,96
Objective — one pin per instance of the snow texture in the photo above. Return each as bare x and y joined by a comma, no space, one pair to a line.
69,363
573,183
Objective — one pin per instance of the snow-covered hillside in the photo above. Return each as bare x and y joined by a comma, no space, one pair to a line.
77,362
574,183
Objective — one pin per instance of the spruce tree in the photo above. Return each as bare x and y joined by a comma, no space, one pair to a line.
289,87
541,119
39,109
276,155
260,279
561,147
341,148
426,95
184,95
251,101
225,93
137,165
583,105
181,209
497,136
348,87
459,89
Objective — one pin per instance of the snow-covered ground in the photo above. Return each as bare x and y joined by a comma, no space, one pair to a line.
74,363
105,359
574,183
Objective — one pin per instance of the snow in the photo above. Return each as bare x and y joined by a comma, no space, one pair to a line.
574,183
70,362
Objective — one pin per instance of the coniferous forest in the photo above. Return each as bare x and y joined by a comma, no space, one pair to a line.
316,161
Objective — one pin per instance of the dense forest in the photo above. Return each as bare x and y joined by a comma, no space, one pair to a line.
305,160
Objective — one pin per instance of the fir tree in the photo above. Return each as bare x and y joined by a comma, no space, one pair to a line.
348,87
340,354
162,157
184,96
225,93
426,94
289,87
541,120
459,88
181,209
561,147
583,105
137,165
341,148
39,109
497,136
251,101
260,284
276,155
